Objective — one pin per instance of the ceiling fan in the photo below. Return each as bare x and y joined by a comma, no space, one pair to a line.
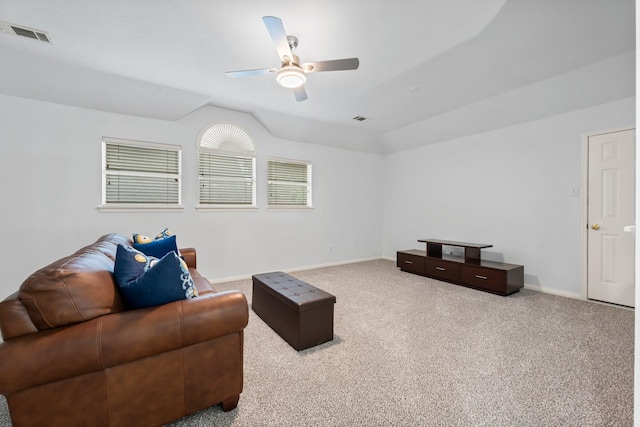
292,74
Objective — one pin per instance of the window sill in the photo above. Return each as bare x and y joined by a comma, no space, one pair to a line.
222,208
290,208
140,208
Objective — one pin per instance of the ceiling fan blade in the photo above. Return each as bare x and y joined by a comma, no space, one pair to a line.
300,93
333,65
279,36
248,73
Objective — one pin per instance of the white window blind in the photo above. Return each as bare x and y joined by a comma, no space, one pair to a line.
289,183
225,179
226,168
141,174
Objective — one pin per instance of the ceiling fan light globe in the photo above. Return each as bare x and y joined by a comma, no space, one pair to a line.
291,77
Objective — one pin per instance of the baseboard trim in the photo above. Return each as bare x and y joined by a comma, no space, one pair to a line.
536,288
552,291
332,264
294,269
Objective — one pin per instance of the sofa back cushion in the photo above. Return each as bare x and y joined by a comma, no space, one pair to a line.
76,288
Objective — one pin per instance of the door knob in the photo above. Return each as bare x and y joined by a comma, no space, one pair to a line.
595,226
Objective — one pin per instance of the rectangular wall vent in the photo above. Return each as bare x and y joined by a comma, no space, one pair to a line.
22,31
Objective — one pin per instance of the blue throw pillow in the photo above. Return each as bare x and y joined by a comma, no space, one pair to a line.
164,234
130,264
141,238
145,281
156,247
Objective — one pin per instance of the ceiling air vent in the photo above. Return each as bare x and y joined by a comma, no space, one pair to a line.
361,118
19,30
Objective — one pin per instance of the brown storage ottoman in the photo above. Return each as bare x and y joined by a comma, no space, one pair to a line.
300,313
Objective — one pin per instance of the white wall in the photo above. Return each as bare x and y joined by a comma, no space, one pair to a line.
50,166
510,188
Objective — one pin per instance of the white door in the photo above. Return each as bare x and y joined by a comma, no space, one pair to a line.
611,208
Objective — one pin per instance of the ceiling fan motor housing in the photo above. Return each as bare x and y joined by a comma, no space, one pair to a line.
291,61
293,42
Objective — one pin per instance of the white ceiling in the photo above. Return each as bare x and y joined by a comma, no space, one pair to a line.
435,68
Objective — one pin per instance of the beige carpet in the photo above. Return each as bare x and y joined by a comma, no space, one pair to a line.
411,351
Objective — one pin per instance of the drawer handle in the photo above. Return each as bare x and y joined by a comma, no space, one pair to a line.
481,277
441,268
409,262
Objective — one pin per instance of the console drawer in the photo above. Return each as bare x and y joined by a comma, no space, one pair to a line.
486,278
410,262
442,269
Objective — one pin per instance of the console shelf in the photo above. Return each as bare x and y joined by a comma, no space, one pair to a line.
470,270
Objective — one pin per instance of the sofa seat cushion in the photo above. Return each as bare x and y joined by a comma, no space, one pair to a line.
76,288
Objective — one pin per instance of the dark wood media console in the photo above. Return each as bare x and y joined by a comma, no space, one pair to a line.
469,270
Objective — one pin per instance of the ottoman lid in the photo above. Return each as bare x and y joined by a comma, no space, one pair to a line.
298,295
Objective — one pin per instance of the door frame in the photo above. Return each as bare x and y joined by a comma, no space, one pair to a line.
585,203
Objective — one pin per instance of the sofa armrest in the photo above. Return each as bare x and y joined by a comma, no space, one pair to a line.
189,256
110,340
136,334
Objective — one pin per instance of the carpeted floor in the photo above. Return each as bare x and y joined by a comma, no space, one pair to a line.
411,351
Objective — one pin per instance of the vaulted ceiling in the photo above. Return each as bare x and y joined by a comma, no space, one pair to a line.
430,70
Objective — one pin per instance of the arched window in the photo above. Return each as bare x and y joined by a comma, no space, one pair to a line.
226,168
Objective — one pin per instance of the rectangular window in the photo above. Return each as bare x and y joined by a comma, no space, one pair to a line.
289,183
141,174
226,180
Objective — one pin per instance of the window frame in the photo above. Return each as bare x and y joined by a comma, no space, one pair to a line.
309,185
231,148
223,206
139,207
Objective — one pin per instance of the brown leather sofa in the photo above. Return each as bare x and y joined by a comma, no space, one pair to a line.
72,356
